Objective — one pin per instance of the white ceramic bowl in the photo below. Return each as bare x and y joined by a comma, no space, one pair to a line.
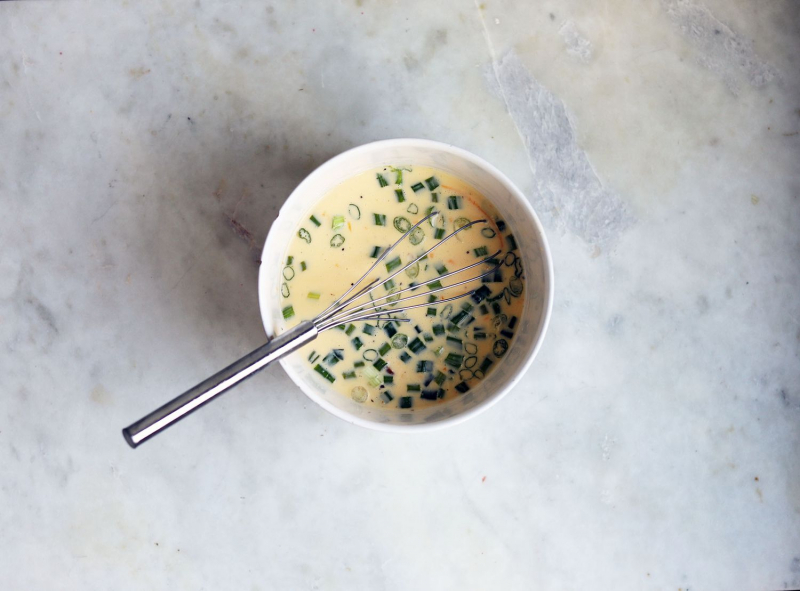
518,215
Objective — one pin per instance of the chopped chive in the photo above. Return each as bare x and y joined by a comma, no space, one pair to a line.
315,221
376,252
313,295
434,284
512,242
462,387
405,402
311,355
337,223
454,202
417,187
441,269
382,181
413,387
379,218
368,329
481,294
357,343
303,266
438,329
435,197
413,208
454,360
385,348
324,373
430,312
455,342
337,241
379,364
431,182
399,341
350,329
288,312
481,251
416,345
405,357
398,177
313,358
289,260
349,375
393,264
438,233
359,364
386,397
304,235
400,196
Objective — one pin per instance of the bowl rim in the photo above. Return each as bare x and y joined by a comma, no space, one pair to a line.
548,273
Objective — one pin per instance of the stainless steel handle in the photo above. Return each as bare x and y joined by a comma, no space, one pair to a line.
207,390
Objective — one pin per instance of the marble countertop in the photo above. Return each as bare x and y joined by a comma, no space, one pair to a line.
655,442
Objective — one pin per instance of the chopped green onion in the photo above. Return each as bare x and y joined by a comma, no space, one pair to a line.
370,354
315,221
454,202
386,397
434,284
373,376
512,243
455,342
413,387
430,312
338,222
337,241
413,270
417,235
413,208
388,285
486,364
431,298
288,273
438,329
388,379
438,350
393,264
405,357
368,329
304,235
398,176
454,360
428,337
389,329
382,181
385,348
380,219
501,225
416,345
424,366
313,295
354,211
432,183
400,196
288,312
349,375
488,233
376,252
324,373
311,356
284,290
417,187
446,311
350,329
462,387
405,402
500,347
357,343
303,266
440,378
359,394
441,269
334,357
379,364
470,361
507,333
399,341
401,224
439,233
435,197
515,286
289,260
481,251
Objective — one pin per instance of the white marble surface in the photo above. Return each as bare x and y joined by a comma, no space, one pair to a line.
144,151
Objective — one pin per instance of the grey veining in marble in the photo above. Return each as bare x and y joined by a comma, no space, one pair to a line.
145,149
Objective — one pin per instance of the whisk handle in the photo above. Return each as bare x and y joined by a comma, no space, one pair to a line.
207,390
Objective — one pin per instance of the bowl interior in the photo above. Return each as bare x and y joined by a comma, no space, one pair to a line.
519,217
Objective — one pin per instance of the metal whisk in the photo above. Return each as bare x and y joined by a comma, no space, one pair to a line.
348,308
